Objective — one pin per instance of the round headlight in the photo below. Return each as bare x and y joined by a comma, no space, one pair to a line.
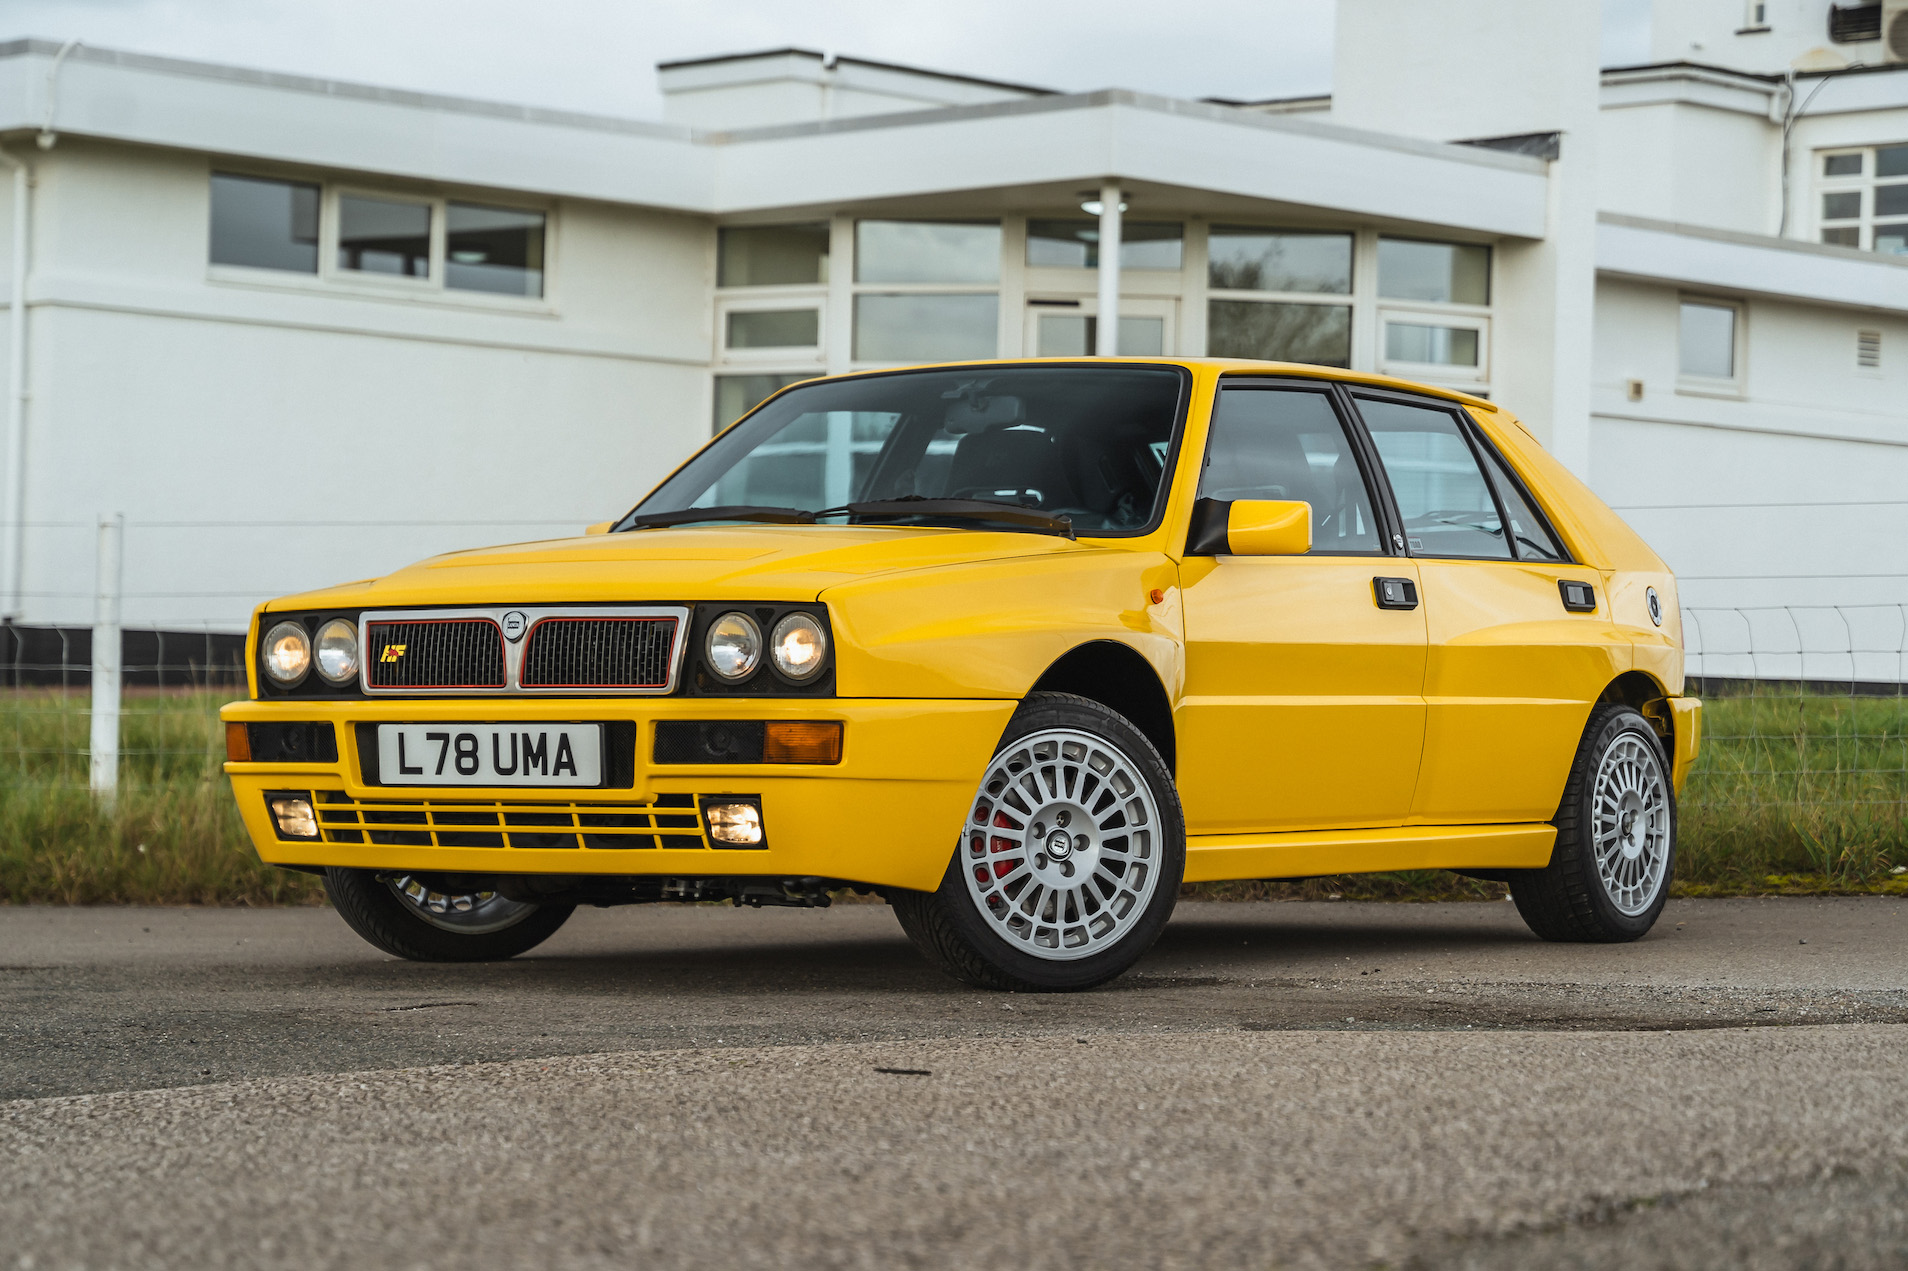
799,647
734,646
287,654
337,651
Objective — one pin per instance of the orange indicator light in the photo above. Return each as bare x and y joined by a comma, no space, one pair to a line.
802,741
238,744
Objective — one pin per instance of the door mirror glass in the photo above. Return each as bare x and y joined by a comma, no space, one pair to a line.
1269,527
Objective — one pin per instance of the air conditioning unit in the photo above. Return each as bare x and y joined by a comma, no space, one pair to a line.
1894,30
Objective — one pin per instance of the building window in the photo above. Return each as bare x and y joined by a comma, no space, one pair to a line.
264,224
438,244
384,236
1862,198
1264,287
927,252
1075,244
926,326
935,297
772,255
1440,273
1708,344
773,329
737,395
1077,335
494,249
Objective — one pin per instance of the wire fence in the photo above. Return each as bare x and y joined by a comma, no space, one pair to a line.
1804,766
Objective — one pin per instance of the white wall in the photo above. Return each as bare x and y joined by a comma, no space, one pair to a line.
1792,493
1717,32
1696,165
166,391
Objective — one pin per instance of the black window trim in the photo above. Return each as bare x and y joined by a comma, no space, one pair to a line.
1480,446
1377,489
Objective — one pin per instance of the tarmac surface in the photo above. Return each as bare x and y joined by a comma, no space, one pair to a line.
1307,1085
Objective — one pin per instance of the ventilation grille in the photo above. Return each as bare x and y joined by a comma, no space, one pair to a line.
1868,349
599,653
436,653
1853,23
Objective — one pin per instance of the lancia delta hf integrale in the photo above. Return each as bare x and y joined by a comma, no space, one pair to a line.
1019,646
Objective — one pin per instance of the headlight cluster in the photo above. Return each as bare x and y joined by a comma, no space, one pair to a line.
288,653
798,647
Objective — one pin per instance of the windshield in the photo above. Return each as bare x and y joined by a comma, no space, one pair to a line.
1088,443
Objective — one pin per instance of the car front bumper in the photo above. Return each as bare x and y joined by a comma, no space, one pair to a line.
887,815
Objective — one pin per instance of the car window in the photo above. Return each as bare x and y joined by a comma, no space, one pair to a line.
1085,442
1529,533
1442,495
1289,444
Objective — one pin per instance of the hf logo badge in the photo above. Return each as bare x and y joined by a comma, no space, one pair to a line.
392,652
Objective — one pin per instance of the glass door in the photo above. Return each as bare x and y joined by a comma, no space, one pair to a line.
1070,328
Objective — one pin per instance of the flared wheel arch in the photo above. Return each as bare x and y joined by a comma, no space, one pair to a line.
1118,677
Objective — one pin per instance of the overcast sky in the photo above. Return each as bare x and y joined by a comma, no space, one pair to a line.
600,55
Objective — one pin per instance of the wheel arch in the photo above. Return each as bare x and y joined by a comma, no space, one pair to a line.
1643,692
1119,678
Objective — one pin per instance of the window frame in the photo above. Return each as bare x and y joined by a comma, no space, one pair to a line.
778,300
330,279
858,288
1480,445
1457,317
1377,488
1736,384
1865,184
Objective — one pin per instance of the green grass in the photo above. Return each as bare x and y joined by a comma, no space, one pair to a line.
1794,794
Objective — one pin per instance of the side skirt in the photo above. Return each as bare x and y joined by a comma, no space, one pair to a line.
1212,858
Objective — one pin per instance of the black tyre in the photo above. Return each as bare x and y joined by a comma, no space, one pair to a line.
1070,861
1609,875
406,916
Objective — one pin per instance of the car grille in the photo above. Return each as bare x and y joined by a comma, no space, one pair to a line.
599,653
671,822
435,653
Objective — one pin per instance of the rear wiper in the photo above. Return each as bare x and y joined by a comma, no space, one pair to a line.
958,509
738,512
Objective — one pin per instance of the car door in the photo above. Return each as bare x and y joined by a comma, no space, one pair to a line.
1303,706
1520,645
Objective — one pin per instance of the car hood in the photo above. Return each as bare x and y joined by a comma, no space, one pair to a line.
727,562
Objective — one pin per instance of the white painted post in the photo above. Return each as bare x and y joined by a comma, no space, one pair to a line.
106,660
1108,342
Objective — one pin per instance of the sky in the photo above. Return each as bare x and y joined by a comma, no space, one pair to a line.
600,55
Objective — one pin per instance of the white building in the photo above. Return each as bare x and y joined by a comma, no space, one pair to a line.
299,331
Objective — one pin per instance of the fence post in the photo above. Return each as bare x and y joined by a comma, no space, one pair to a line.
106,660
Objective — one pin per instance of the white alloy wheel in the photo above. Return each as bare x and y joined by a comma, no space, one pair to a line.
466,913
1630,824
1061,849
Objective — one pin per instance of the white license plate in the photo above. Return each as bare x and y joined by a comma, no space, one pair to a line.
490,754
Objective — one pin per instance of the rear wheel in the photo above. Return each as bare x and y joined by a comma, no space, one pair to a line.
405,915
1070,861
1609,875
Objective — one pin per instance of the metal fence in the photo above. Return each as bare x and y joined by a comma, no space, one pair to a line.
1805,724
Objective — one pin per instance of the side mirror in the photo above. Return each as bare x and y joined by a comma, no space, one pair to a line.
1269,527
601,527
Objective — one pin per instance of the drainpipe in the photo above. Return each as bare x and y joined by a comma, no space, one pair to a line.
1108,343
14,492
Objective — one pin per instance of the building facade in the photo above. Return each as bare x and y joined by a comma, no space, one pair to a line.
298,331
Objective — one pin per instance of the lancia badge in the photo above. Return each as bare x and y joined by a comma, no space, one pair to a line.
1656,606
513,625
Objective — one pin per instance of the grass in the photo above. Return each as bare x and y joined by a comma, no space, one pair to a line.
1795,793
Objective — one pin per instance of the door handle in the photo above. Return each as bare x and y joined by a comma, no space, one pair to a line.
1395,593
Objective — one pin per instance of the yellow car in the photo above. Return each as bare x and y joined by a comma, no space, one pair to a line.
1020,646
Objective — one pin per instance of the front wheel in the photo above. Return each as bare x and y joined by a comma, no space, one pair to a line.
1070,860
1609,874
406,915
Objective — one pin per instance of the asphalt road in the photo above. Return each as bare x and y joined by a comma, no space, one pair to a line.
1327,1085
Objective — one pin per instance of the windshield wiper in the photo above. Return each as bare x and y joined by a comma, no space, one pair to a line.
737,512
958,509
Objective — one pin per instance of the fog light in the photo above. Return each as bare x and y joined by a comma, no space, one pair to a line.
294,815
802,741
734,824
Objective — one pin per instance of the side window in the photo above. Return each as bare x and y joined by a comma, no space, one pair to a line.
1529,534
1442,495
1289,444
